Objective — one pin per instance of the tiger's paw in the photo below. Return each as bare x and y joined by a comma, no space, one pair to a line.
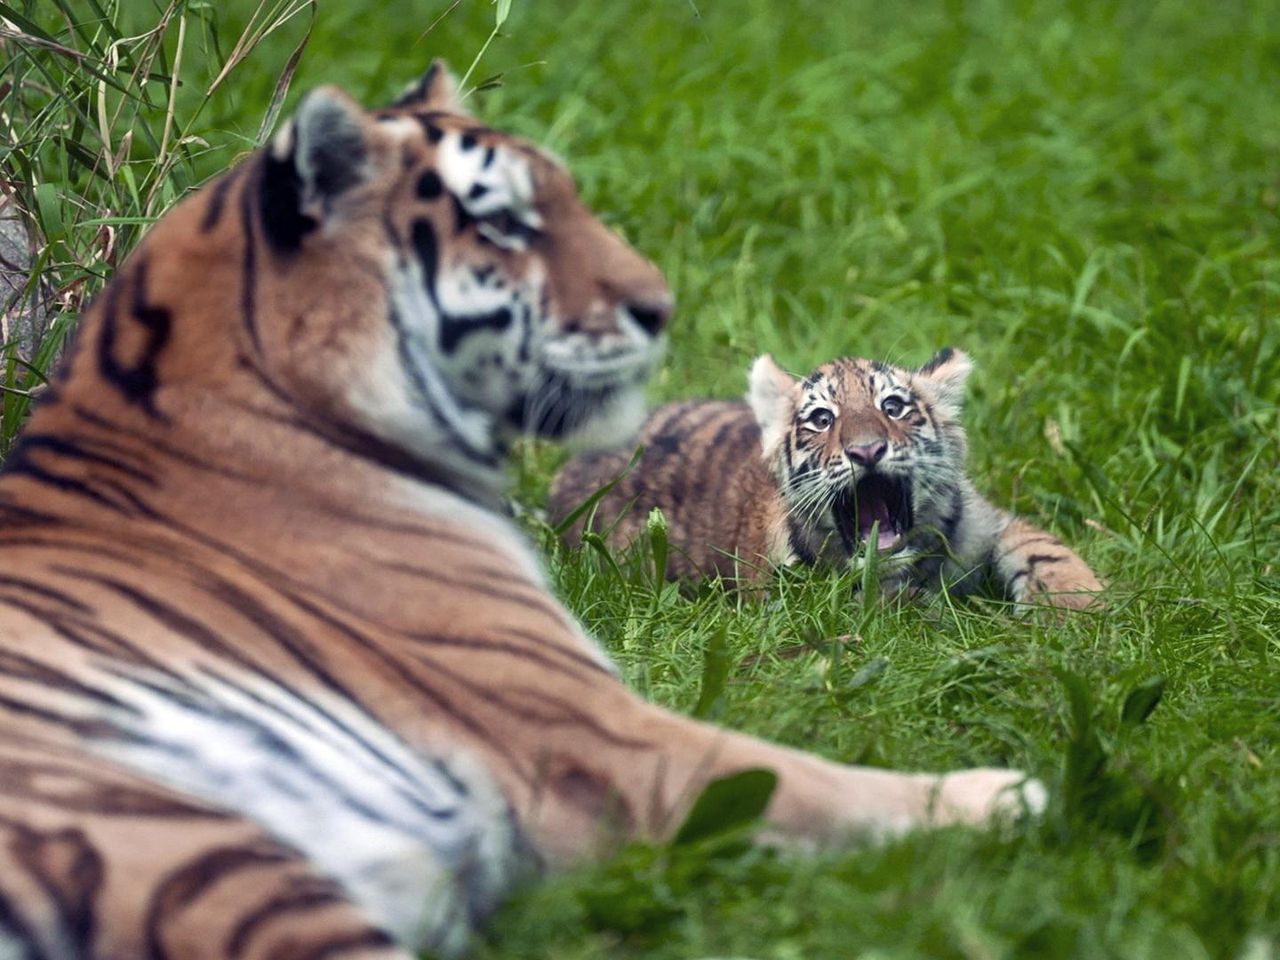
987,795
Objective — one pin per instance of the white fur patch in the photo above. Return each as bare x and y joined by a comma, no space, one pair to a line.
503,183
418,845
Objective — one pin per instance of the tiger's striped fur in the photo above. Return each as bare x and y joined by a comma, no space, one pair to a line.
802,470
276,681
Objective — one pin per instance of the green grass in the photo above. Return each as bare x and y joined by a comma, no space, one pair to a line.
1082,195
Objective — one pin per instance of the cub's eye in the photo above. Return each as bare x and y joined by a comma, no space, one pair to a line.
820,419
894,407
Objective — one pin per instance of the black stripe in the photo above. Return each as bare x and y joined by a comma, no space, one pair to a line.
64,780
279,190
485,458
456,328
188,883
1028,541
516,650
429,186
17,666
19,464
14,516
18,932
150,444
312,893
69,871
45,591
77,450
347,943
89,636
86,728
217,200
799,546
171,618
137,382
461,218
1038,558
427,246
937,360
433,132
249,270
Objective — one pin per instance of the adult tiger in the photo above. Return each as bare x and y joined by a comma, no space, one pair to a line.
274,679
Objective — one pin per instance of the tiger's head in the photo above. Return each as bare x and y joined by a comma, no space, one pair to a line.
406,281
859,442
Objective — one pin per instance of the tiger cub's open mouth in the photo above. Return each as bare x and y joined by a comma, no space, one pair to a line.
875,498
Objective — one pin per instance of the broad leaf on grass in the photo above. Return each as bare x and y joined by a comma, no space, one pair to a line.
715,671
727,804
1141,700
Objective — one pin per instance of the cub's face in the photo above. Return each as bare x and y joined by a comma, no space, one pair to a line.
859,442
489,298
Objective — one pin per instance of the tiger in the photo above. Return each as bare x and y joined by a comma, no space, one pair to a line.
861,462
280,677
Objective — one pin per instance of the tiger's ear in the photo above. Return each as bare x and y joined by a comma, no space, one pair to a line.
434,90
772,397
946,374
320,153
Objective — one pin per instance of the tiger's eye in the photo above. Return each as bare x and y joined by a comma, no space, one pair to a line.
893,407
821,419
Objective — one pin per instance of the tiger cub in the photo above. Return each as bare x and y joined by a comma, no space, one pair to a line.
806,471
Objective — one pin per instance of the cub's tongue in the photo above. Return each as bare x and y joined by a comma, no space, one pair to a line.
873,509
871,503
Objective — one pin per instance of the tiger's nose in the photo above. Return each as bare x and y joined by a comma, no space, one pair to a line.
867,454
652,313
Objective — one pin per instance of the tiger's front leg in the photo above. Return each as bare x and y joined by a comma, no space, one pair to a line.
1036,568
596,792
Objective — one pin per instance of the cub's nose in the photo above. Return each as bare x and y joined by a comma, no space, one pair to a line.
651,313
867,454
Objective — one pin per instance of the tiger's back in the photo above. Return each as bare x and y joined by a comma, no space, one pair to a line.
702,467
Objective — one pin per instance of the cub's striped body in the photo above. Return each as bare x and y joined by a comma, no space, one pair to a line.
803,470
275,680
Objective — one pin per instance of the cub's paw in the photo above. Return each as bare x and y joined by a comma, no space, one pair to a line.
987,795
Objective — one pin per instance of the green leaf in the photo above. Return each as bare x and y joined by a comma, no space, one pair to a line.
656,524
283,81
715,671
1080,699
727,804
50,213
500,16
596,543
1141,700
867,673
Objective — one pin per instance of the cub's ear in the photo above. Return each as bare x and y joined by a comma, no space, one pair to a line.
320,154
946,374
772,397
434,90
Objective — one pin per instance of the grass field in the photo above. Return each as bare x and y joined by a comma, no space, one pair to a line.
1083,195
